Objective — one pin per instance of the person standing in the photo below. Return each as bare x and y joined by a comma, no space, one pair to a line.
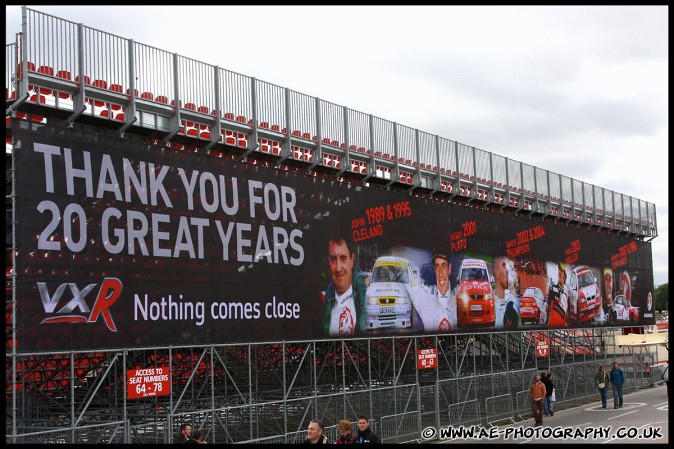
506,305
345,296
548,405
537,395
184,435
602,381
345,434
617,378
365,434
437,310
316,433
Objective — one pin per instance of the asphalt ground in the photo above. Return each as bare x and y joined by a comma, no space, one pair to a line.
643,419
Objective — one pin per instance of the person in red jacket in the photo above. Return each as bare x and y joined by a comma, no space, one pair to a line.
345,434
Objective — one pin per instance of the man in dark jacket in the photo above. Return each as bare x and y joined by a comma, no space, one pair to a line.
184,435
365,435
548,404
617,378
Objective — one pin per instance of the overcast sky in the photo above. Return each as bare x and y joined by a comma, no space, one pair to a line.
578,90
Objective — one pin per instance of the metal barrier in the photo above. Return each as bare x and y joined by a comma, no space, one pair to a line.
522,405
150,433
465,413
108,432
244,402
499,408
400,428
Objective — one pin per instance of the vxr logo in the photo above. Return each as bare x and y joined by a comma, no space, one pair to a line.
110,290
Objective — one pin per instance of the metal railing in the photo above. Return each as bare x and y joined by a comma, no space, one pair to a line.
79,396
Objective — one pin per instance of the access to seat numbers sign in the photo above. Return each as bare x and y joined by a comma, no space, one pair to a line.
427,358
145,382
542,347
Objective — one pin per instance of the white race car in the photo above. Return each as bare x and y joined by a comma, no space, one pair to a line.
388,295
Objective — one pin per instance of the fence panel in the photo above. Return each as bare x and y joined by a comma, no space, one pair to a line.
401,428
465,413
499,408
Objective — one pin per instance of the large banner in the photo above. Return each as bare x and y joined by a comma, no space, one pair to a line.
122,244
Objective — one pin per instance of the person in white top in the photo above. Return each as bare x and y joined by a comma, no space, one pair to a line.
437,308
506,305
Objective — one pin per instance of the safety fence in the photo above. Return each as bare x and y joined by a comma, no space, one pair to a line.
499,408
480,386
400,428
465,413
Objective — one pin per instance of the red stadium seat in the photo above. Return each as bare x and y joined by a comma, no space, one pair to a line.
46,70
101,84
37,99
66,75
162,99
116,88
30,66
230,139
85,79
242,140
264,145
147,96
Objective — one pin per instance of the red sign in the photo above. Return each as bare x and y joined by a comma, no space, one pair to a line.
145,382
427,358
542,347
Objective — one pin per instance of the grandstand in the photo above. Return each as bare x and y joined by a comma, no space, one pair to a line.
89,84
